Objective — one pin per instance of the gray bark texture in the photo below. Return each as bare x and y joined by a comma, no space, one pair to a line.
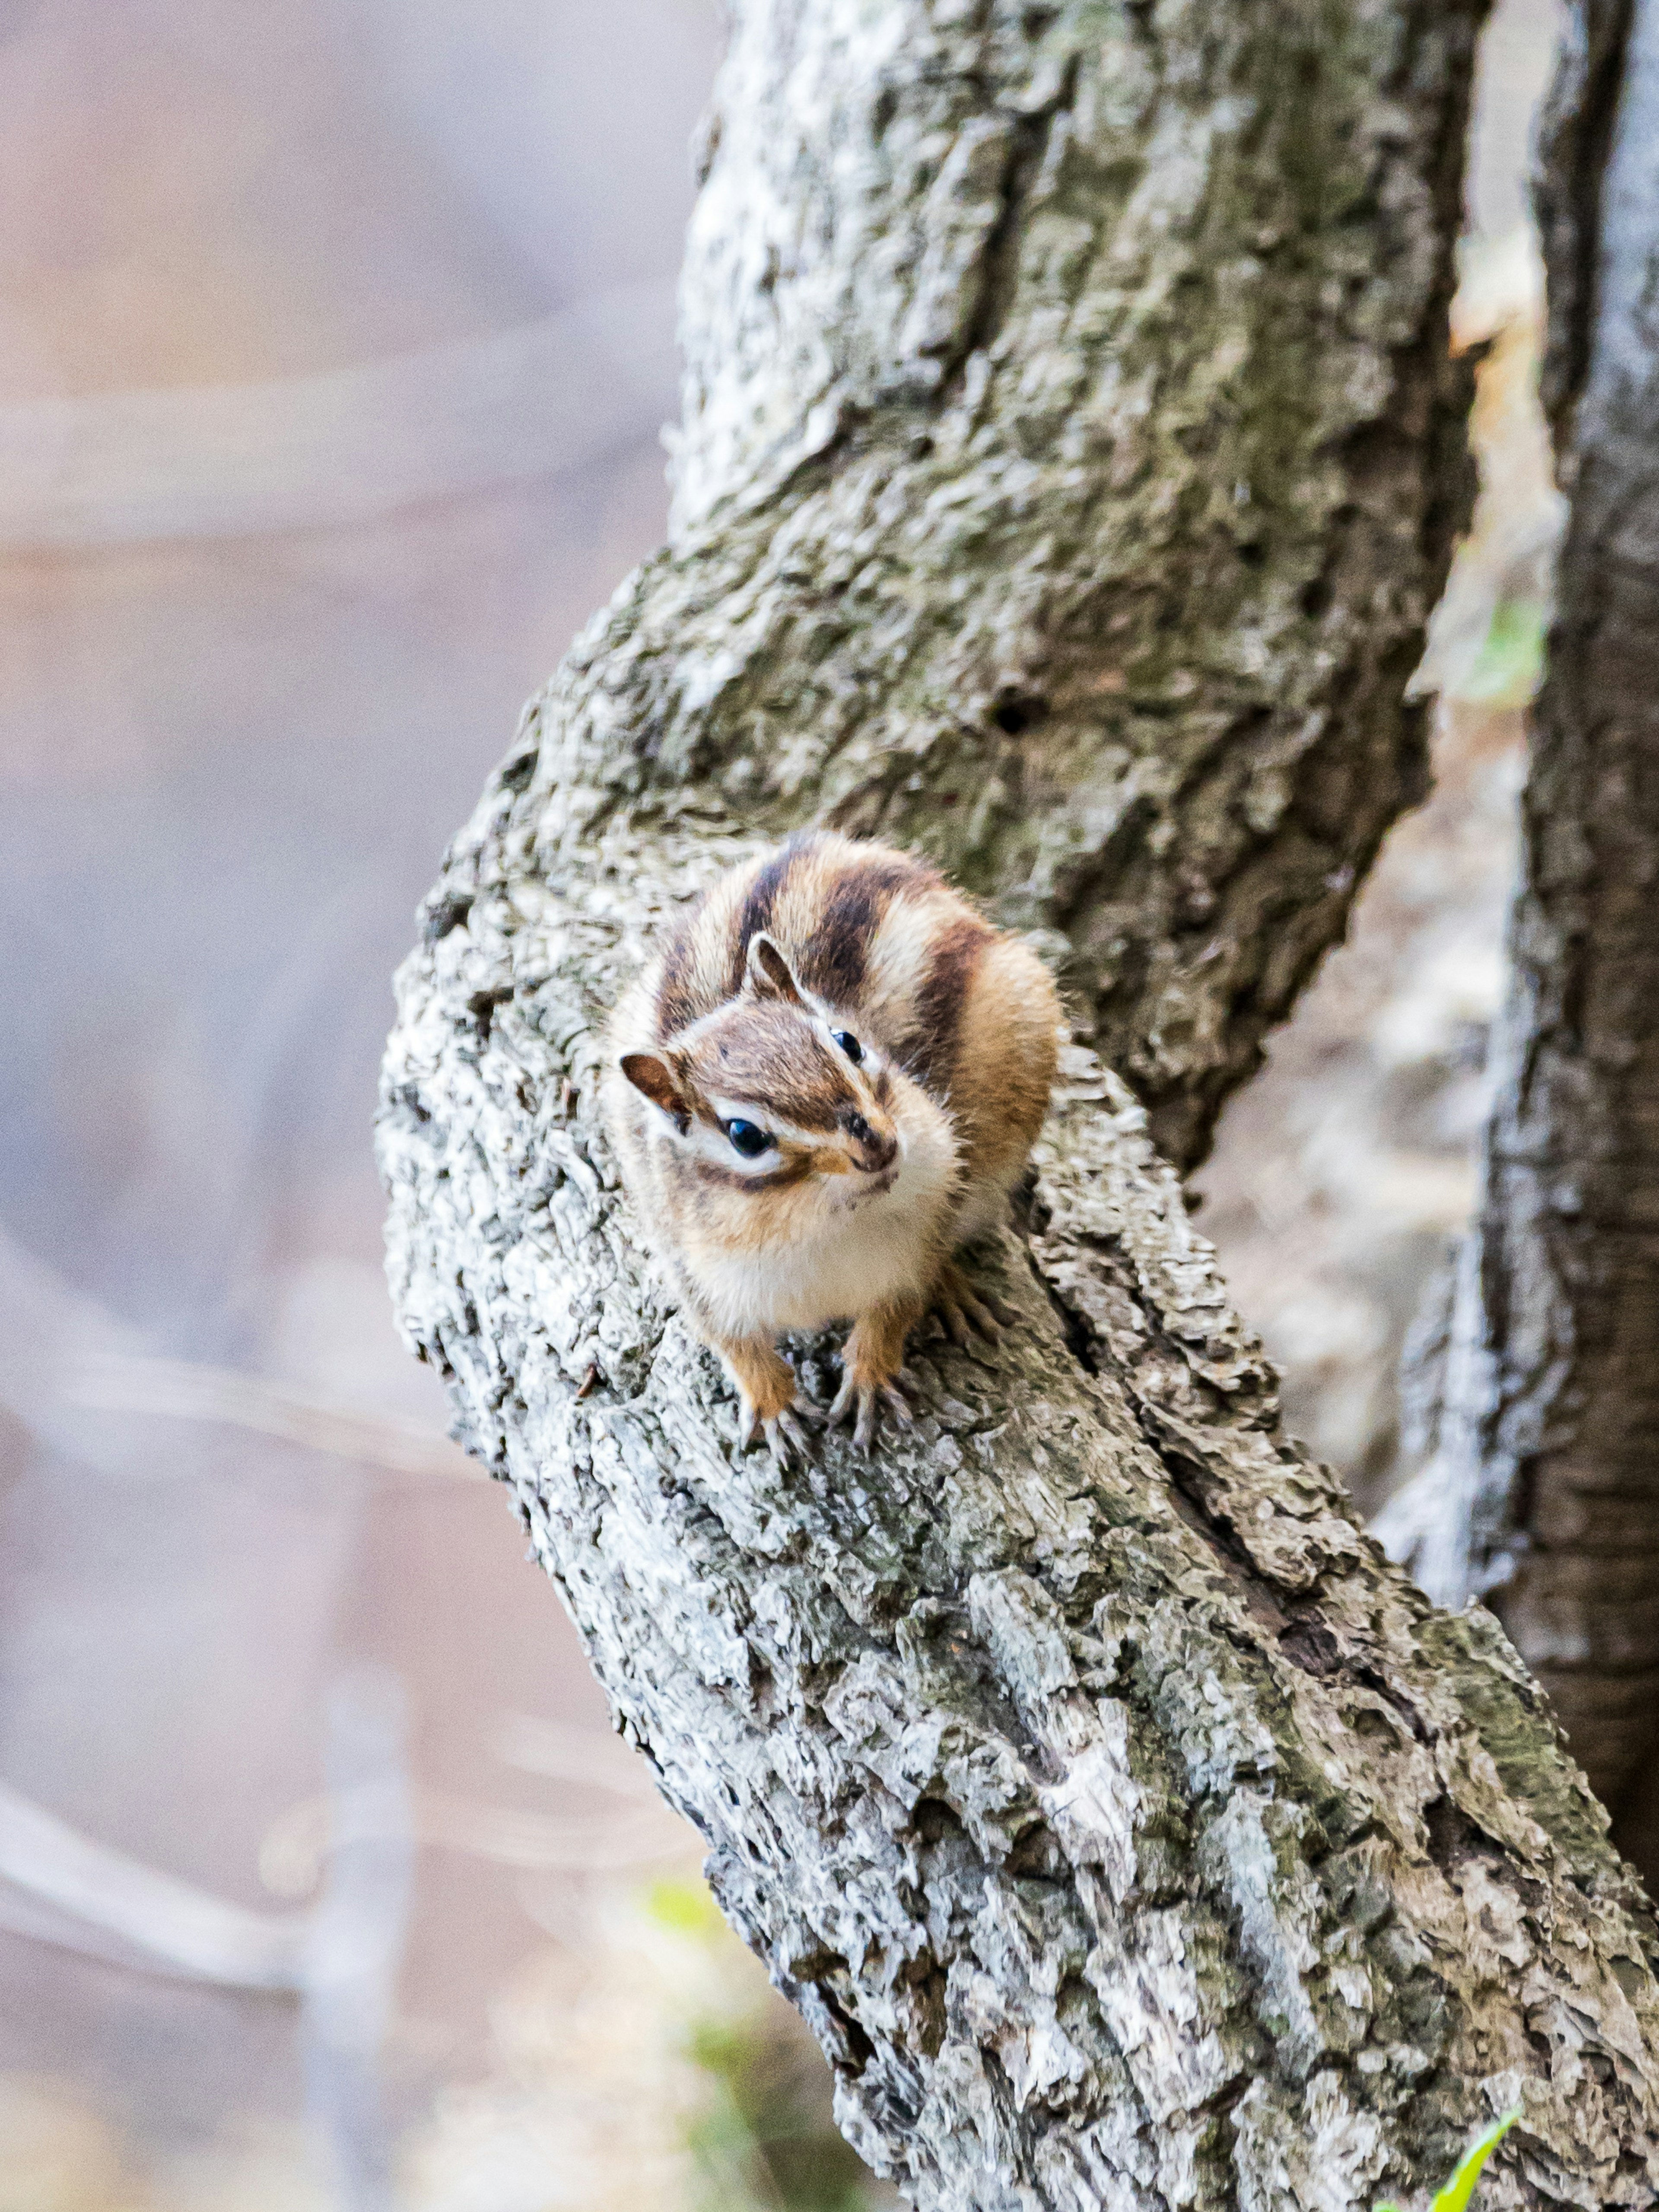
1545,1487
1060,493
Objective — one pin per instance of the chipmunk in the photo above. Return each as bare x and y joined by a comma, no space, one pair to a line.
829,1080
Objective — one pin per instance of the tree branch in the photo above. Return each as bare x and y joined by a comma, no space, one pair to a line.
1542,1490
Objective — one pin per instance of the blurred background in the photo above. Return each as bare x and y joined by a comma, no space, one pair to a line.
335,342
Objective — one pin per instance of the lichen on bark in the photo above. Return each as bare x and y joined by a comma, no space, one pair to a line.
1059,494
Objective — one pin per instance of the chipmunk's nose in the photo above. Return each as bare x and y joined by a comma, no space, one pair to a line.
876,1150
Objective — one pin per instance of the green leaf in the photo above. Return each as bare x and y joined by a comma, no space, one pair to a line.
685,1906
1456,2195
1511,656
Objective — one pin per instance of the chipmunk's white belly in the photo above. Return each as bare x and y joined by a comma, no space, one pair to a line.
874,1248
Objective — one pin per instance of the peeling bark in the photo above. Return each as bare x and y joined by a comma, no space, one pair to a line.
1545,1487
1066,398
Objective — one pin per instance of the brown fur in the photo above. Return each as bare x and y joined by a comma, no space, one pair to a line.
737,1018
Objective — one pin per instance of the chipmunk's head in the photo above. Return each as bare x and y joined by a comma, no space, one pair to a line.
772,1093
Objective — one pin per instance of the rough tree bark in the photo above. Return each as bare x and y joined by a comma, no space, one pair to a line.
1062,491
1544,1489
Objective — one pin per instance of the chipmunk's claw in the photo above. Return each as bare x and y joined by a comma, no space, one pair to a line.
859,1400
787,1434
788,1438
966,1312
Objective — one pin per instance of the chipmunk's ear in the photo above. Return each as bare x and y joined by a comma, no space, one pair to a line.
654,1077
769,974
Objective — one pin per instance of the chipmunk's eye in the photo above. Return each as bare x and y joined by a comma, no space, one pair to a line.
849,1044
749,1138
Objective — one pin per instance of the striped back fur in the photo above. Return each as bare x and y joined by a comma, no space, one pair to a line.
867,930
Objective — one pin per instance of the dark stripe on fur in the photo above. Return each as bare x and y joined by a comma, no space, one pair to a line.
781,1096
931,1047
778,1179
758,906
833,963
675,1004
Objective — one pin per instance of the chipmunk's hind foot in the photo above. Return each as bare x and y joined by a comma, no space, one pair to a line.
966,1312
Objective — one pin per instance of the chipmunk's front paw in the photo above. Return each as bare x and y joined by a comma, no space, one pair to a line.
786,1432
768,1406
860,1399
869,1372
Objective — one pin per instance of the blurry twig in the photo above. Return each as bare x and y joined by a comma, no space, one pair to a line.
178,1390
341,1959
572,1754
181,1929
297,1844
110,468
357,1931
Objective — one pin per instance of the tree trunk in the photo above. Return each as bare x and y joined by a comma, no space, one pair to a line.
1061,493
1545,1490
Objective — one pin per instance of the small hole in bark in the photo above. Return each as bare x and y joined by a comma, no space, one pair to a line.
1317,597
451,911
927,2001
1253,555
1013,717
858,2048
1037,1855
481,1007
1312,1646
1453,1837
933,1819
